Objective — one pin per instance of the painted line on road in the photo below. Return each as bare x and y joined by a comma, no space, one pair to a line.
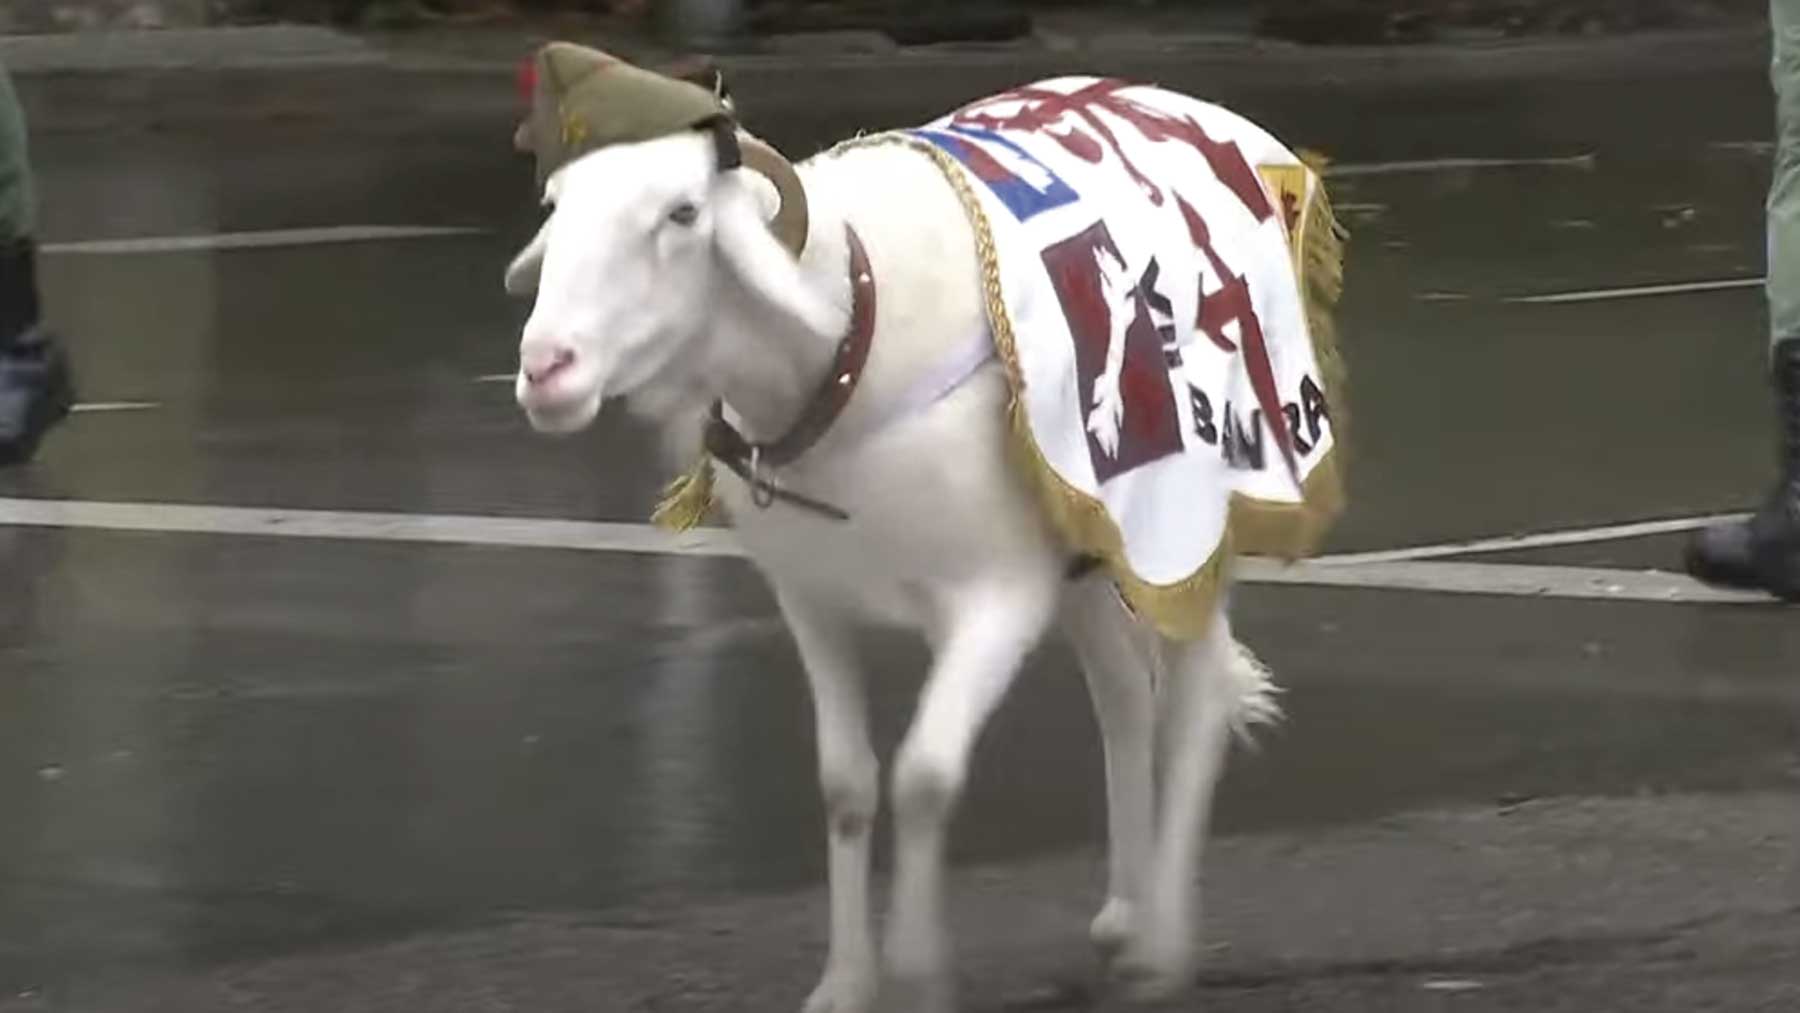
1640,291
594,536
1544,540
497,378
1349,169
266,239
518,532
115,406
1508,580
1758,148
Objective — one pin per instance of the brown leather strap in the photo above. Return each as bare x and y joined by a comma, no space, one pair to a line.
750,460
726,444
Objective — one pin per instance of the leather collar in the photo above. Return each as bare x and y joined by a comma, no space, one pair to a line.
752,462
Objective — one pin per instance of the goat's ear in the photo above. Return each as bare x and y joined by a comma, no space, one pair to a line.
522,274
765,267
763,192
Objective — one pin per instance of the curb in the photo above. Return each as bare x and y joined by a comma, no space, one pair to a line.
273,48
305,49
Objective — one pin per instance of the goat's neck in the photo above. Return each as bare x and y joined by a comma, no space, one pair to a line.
764,367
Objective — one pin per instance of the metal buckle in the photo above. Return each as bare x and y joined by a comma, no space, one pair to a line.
762,491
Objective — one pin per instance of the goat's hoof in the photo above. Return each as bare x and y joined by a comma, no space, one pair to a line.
1111,928
1149,971
843,991
932,994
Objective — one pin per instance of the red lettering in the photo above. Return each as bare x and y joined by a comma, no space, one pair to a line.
1041,109
1230,303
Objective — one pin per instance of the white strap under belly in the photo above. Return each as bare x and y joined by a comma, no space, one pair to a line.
950,373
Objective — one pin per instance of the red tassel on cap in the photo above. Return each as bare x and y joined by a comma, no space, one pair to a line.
528,80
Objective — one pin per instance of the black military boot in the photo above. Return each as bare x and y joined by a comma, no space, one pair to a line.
1764,553
35,388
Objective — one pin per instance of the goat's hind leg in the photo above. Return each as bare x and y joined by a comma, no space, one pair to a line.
1117,660
1214,687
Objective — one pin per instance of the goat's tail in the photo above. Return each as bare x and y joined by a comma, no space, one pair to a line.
1251,692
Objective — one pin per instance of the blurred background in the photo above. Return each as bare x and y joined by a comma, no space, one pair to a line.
1527,765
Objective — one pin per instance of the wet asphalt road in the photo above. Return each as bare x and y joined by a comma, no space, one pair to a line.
245,773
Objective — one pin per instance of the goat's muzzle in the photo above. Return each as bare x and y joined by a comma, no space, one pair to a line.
542,365
557,394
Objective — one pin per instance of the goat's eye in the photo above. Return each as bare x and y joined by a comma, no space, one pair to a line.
684,214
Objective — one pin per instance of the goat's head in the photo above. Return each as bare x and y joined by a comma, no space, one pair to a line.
644,235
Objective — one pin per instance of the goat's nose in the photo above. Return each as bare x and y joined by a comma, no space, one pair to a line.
543,363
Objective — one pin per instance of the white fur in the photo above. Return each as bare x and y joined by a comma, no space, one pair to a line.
944,537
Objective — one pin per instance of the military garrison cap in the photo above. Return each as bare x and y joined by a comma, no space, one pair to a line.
583,99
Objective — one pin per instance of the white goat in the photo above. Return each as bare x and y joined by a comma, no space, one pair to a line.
660,282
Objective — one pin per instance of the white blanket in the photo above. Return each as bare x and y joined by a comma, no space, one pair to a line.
1145,256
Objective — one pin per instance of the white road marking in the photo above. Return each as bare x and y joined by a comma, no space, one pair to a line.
1451,985
497,378
115,406
1640,291
520,532
1544,540
1499,579
1745,147
1451,164
256,240
1407,574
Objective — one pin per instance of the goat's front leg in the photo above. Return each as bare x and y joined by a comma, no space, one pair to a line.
848,778
984,638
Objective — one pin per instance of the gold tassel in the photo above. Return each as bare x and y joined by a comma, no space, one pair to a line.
687,500
1322,281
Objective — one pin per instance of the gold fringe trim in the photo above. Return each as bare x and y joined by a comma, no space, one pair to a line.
1293,530
1323,243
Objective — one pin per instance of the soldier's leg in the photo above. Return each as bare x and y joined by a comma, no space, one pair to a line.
1784,190
34,377
1765,553
16,199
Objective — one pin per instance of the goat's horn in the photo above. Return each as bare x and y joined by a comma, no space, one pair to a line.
792,219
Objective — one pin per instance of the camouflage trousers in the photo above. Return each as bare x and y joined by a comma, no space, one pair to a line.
15,170
1784,192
